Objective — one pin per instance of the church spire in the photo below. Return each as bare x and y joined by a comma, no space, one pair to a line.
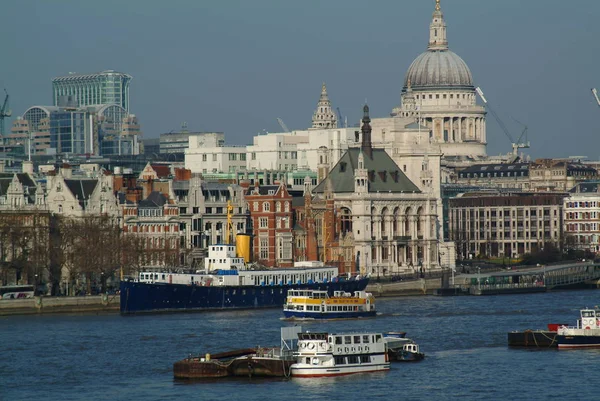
323,116
437,30
366,145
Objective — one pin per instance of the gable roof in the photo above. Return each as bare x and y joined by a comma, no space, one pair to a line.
384,174
162,170
81,189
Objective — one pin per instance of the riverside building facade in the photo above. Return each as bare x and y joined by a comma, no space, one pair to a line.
495,224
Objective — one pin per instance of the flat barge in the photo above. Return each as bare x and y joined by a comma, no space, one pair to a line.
260,362
535,338
532,338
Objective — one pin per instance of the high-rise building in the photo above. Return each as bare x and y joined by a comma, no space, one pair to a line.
106,87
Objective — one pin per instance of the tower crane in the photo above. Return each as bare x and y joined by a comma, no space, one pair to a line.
4,112
341,122
522,142
595,93
282,125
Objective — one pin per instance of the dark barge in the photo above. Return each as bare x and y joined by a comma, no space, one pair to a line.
260,362
535,338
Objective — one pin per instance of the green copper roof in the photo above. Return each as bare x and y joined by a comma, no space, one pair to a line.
384,174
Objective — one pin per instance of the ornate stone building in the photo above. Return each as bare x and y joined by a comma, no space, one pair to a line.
439,91
324,117
392,222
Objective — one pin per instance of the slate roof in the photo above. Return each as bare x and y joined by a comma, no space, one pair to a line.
154,200
81,189
24,179
585,187
497,168
384,174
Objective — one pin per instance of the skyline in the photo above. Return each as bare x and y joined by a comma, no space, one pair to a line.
268,61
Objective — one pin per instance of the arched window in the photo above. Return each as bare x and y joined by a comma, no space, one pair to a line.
278,207
266,207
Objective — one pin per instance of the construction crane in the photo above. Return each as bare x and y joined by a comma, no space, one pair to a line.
341,122
595,93
4,112
522,142
282,125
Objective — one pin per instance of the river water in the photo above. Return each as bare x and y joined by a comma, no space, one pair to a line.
110,357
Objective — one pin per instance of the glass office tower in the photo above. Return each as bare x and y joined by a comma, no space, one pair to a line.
106,87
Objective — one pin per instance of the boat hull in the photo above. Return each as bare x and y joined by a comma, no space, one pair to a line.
578,341
139,297
532,338
405,356
327,315
339,370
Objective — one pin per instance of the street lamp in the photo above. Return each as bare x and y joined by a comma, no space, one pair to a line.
35,287
479,277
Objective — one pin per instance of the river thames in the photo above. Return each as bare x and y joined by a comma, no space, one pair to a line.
110,357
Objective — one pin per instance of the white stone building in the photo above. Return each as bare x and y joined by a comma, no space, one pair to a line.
206,153
439,90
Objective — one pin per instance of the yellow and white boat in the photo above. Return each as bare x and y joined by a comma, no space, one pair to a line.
316,304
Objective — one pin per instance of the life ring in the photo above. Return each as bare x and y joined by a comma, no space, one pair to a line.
302,345
347,349
366,348
311,346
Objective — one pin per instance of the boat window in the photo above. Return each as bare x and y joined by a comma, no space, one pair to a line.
338,340
347,339
356,339
365,359
365,339
340,360
377,338
353,359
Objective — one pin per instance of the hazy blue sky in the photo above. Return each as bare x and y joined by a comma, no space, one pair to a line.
237,65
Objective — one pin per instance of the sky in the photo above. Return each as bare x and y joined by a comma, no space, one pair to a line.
237,65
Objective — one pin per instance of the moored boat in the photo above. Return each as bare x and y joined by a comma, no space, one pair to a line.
318,304
228,283
248,362
402,349
330,354
586,334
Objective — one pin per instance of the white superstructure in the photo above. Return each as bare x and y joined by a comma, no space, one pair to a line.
330,354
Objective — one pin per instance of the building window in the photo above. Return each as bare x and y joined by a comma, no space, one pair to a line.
287,206
264,248
256,206
233,156
215,157
253,155
266,207
243,157
278,207
263,222
204,157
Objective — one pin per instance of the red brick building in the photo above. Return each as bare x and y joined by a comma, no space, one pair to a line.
272,219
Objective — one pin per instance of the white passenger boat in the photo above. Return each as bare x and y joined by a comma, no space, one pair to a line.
586,334
330,354
318,304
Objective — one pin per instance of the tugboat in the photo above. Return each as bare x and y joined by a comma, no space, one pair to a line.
317,304
402,349
330,354
586,334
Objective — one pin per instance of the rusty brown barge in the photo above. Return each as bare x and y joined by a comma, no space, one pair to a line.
246,362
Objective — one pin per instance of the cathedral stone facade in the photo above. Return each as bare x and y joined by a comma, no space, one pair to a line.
439,91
